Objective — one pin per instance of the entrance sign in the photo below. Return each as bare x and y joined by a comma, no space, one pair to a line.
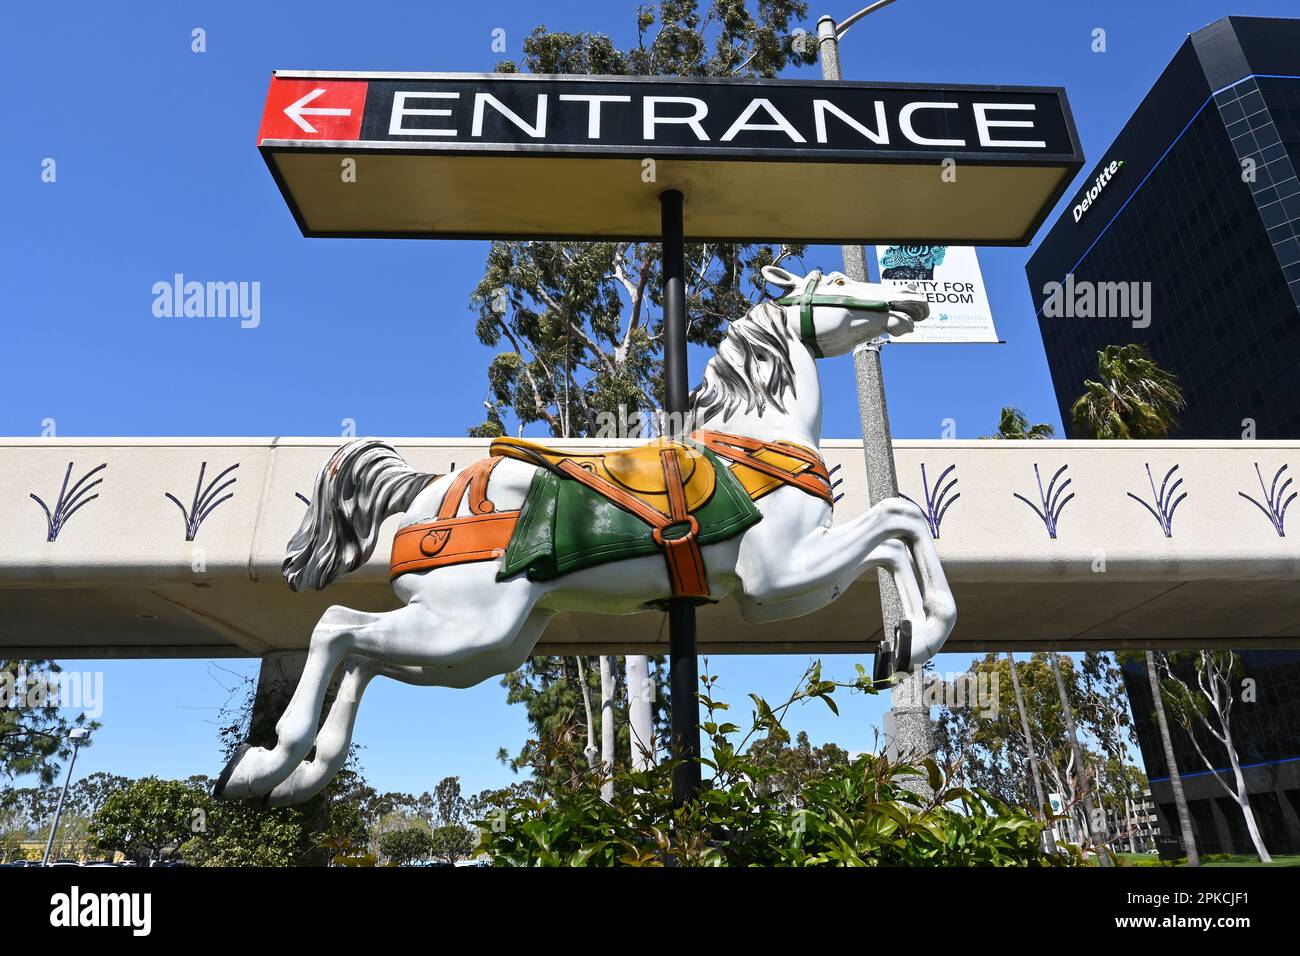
950,279
440,155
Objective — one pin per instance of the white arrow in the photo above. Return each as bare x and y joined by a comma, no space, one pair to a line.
296,111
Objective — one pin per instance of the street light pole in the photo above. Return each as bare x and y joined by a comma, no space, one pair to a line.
912,734
77,736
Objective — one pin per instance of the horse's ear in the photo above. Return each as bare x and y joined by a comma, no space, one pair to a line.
778,276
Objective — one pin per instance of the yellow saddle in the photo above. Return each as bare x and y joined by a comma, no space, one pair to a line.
637,471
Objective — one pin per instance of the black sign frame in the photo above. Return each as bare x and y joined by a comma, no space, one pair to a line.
1063,152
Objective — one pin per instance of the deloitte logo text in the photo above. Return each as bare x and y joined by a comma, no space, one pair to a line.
1101,182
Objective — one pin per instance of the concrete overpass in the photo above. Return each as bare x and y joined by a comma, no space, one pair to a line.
119,579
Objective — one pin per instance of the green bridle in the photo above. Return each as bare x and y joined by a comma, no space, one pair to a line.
808,299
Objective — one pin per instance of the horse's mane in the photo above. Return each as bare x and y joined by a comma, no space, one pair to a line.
751,369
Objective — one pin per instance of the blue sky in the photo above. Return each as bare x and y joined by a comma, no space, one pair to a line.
158,174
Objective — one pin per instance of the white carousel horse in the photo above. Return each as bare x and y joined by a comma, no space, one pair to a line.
461,625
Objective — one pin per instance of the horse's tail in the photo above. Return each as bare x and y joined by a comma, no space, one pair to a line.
364,482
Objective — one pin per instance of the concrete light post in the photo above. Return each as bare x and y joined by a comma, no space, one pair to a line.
78,736
911,719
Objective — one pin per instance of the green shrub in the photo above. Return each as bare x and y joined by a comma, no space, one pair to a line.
867,812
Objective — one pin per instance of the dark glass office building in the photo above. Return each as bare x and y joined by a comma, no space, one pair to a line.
1197,196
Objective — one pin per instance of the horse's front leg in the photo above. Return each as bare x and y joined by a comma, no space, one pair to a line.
781,560
892,555
780,582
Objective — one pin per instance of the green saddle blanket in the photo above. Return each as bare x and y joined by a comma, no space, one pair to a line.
565,526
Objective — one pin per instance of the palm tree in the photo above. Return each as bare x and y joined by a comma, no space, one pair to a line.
1175,780
1135,398
1014,424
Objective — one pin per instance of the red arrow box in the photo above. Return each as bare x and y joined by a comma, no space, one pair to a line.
326,109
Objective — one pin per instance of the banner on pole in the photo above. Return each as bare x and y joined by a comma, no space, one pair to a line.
949,277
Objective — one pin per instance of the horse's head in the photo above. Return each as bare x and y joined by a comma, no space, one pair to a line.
831,313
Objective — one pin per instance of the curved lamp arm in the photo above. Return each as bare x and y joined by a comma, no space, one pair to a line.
843,27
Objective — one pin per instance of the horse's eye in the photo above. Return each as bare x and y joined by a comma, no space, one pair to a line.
839,282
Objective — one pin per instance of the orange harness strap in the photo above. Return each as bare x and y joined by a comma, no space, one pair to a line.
676,534
484,534
481,535
815,480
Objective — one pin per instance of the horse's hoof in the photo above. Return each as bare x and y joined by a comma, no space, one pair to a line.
220,790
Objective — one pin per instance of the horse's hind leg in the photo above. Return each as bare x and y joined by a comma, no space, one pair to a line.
335,736
891,554
458,620
333,740
253,771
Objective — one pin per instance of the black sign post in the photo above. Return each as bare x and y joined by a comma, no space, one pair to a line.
683,674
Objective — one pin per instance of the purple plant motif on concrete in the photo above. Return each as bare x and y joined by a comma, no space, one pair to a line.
70,501
205,499
835,484
1053,502
937,501
1164,502
1276,507
303,498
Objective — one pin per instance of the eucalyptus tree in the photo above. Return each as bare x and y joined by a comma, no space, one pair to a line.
991,745
1027,737
995,743
1202,700
579,325
590,751
1103,686
556,691
1095,828
608,692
